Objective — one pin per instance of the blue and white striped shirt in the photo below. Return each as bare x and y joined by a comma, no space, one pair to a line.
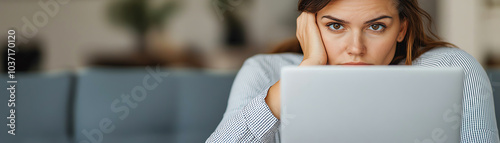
249,119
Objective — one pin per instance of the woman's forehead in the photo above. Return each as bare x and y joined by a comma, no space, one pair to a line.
354,10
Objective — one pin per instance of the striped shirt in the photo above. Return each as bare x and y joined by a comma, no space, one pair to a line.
249,119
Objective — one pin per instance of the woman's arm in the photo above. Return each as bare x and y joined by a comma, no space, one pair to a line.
478,119
247,117
478,115
254,105
314,51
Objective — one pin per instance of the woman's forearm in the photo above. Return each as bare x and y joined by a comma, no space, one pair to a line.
273,98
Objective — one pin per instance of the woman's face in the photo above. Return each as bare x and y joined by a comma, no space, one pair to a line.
360,31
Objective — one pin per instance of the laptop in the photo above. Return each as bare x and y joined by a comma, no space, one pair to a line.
371,104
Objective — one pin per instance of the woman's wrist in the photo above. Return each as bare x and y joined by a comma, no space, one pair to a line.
273,99
311,62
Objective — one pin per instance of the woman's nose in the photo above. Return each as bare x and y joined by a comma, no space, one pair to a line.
356,46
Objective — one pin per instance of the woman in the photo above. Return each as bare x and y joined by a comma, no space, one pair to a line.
352,32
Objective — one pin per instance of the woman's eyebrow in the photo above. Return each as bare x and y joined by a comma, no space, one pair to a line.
378,18
335,19
346,22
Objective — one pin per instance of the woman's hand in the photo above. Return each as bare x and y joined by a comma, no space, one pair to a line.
314,54
310,40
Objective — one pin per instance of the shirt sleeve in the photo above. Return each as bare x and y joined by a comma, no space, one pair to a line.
478,116
248,117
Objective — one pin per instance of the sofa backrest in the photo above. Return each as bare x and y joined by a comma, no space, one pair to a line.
116,105
202,100
42,108
140,105
494,75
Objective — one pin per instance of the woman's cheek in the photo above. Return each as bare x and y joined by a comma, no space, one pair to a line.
334,49
383,43
382,50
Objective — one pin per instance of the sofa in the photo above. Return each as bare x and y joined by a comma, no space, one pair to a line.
494,75
65,107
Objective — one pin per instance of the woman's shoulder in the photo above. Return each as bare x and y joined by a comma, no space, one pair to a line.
455,57
446,51
268,66
447,57
275,60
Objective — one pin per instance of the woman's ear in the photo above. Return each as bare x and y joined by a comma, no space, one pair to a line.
402,30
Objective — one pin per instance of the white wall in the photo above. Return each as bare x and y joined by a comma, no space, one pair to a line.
76,31
79,29
491,32
472,25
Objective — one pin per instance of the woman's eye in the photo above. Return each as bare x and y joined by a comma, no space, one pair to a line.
376,27
336,26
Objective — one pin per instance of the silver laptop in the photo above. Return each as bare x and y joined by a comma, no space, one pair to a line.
380,104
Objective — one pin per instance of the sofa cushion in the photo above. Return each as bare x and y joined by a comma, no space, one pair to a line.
42,108
494,75
202,100
115,103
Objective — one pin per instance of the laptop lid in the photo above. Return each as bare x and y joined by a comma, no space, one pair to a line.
371,104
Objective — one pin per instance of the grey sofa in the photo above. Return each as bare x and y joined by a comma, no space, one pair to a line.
494,75
88,106
42,108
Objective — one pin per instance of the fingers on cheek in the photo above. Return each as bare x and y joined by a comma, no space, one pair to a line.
310,17
299,27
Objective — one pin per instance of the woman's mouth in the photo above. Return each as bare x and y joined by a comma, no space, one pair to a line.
355,64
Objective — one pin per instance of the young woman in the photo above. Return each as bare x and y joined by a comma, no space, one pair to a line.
352,32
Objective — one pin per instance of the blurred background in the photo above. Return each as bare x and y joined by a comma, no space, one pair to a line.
88,53
212,34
